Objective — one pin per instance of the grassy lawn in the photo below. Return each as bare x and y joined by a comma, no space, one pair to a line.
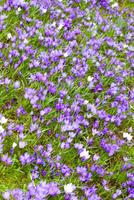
66,100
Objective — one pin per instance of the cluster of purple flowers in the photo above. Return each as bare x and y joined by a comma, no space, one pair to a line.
67,96
40,191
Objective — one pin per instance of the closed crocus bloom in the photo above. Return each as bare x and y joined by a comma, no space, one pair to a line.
3,120
17,84
6,195
1,129
69,188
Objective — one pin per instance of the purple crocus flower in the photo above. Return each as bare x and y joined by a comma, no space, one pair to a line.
6,159
53,189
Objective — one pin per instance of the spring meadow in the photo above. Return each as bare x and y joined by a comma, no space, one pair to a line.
66,100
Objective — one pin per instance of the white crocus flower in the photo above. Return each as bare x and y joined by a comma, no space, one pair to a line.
1,129
84,154
25,41
9,36
94,131
43,10
89,78
97,64
54,24
3,120
19,9
125,45
127,136
22,144
89,116
60,26
130,48
66,55
69,188
86,102
14,145
114,5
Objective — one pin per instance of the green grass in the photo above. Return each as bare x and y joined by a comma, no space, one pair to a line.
18,176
